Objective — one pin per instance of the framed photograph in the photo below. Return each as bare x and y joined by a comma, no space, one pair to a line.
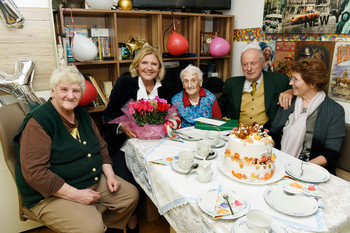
206,39
339,83
284,57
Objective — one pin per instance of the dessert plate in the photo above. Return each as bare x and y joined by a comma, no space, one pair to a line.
176,167
294,205
224,135
313,173
206,200
221,143
190,134
277,175
197,156
240,226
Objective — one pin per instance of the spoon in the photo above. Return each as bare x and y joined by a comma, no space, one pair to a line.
210,154
292,192
225,196
185,135
194,166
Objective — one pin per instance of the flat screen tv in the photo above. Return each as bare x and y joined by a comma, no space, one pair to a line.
186,5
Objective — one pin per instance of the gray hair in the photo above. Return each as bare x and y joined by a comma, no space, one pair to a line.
193,70
68,74
253,46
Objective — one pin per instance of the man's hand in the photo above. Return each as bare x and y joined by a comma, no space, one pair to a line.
285,99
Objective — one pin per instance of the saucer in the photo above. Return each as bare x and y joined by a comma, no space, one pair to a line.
197,156
221,143
176,167
240,226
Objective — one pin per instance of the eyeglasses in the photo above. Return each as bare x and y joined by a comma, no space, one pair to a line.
294,80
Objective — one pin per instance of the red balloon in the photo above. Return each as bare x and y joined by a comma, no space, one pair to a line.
89,94
177,44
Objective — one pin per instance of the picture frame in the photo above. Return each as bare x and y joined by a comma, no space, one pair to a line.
206,39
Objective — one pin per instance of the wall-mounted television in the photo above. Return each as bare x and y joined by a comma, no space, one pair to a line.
185,5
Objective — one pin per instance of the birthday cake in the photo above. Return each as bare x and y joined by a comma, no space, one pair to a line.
249,154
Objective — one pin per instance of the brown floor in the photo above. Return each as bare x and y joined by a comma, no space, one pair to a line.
156,226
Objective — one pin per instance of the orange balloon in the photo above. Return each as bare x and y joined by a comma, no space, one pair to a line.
177,44
89,94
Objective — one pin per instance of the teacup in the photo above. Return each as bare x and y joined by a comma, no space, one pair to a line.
185,159
258,221
213,137
203,147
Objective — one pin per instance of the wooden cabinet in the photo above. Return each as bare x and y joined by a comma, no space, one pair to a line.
151,26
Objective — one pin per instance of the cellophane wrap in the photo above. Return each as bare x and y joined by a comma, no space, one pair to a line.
147,131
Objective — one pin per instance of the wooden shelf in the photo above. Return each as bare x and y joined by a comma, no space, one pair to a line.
150,26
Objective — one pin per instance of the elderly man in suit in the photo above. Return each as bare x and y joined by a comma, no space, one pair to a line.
255,96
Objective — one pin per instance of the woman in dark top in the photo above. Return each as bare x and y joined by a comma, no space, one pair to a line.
313,128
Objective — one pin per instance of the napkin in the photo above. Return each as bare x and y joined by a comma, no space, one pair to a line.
222,208
164,161
300,186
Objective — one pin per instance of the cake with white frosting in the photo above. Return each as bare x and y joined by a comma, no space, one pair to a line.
249,154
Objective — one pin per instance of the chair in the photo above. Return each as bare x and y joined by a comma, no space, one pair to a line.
11,118
343,163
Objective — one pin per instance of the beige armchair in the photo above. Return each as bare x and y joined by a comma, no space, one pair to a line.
11,118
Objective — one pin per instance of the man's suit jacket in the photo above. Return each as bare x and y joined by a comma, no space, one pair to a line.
231,98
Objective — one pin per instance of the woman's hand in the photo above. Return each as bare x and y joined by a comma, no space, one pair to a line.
112,182
285,99
83,196
126,129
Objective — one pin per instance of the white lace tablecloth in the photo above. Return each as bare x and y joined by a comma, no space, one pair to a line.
175,194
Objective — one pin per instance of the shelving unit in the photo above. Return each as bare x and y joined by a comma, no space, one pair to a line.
149,25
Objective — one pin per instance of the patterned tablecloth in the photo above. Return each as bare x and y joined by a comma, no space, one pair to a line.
175,194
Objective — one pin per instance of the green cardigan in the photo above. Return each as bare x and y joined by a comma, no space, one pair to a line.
69,158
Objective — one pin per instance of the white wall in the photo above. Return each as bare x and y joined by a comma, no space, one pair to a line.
249,14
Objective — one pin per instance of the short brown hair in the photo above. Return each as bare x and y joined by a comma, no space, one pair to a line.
147,50
313,71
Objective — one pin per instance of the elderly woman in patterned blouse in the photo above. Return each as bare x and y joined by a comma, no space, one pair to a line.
195,101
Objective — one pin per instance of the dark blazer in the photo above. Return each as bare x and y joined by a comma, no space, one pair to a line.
328,135
231,98
124,89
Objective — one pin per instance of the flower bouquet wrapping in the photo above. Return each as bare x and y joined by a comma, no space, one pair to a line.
147,118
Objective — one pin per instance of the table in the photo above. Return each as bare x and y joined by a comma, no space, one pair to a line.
175,195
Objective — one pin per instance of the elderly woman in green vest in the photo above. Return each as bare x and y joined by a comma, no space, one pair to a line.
64,171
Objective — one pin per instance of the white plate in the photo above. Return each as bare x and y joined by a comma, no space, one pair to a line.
313,173
240,226
207,200
224,135
294,205
277,175
176,167
197,156
190,135
221,143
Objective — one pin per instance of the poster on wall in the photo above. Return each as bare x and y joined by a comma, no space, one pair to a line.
284,56
323,50
268,49
306,16
339,84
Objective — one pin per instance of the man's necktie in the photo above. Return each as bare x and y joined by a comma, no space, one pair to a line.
254,88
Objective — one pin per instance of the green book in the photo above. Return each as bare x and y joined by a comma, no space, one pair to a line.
229,125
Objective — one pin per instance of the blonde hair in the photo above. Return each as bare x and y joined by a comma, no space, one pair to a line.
69,74
147,50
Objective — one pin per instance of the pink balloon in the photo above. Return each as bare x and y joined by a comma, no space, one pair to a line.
219,47
177,44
